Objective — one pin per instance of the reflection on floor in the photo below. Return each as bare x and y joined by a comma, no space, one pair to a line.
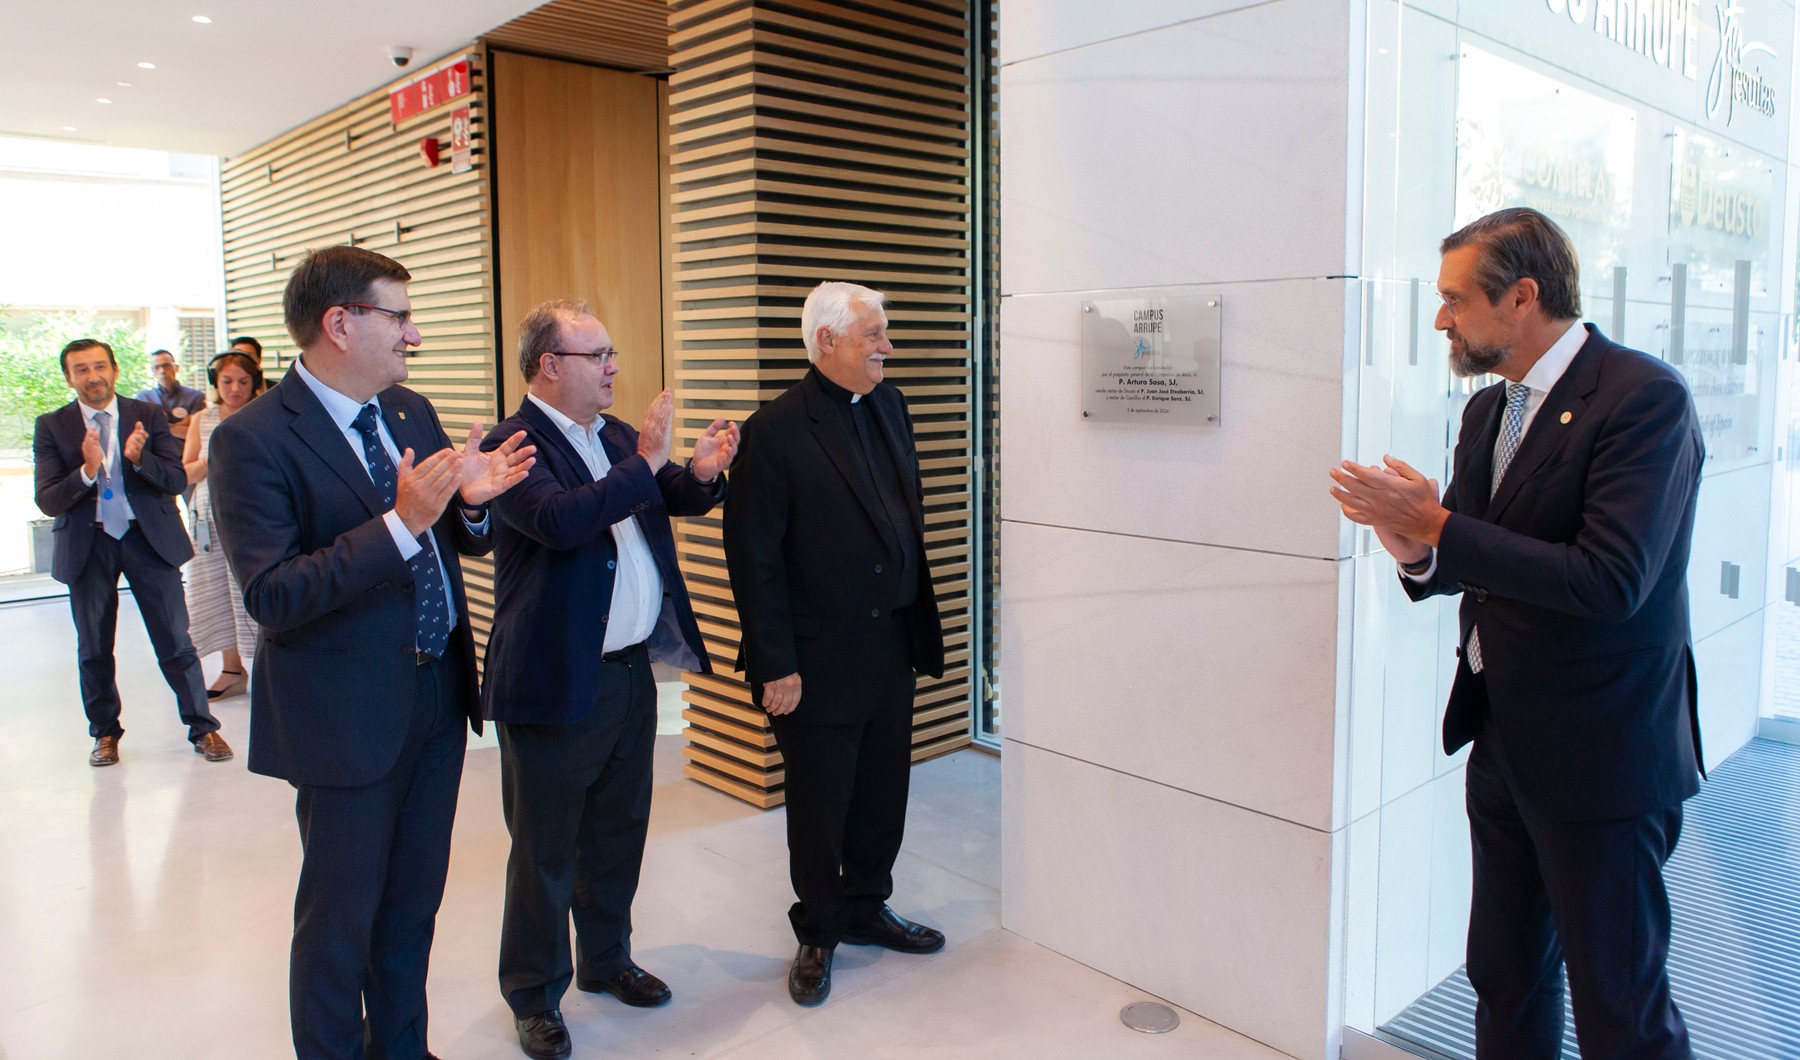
1735,958
145,908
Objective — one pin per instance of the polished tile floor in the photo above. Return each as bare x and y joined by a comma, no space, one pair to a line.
145,908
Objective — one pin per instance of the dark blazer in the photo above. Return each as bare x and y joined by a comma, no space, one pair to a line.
334,673
151,486
809,564
555,559
1577,572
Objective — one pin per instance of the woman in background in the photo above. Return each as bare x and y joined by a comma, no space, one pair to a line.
216,618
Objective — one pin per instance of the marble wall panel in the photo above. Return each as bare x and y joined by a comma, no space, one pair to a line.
1209,670
1256,481
1031,28
1221,910
1208,151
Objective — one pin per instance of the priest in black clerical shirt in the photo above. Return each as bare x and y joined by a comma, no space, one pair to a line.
825,539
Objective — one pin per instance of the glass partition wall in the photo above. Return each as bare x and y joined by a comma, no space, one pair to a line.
1677,190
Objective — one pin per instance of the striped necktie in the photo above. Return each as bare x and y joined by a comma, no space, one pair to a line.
1512,431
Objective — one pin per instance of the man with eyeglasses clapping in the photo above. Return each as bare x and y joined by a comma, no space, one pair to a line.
587,594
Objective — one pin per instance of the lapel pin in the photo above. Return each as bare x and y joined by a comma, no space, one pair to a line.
402,415
1567,416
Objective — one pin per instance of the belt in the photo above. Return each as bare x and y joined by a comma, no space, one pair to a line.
622,653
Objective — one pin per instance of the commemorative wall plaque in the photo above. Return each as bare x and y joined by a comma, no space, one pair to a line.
1151,360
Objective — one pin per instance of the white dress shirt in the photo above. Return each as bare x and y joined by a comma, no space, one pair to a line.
343,411
1543,376
637,587
112,460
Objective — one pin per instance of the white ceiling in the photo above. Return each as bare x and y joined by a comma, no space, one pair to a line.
260,68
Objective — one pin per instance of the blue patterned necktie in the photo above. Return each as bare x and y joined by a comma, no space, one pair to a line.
429,609
112,494
1512,430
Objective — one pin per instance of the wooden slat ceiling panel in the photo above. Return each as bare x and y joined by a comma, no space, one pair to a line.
349,176
624,34
814,140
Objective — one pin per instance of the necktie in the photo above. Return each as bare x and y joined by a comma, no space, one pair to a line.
112,493
1512,429
429,610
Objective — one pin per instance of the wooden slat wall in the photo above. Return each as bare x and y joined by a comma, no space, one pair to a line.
815,140
626,34
312,187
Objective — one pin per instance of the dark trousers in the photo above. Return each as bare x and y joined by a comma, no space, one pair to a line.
577,802
371,879
156,586
846,807
1588,894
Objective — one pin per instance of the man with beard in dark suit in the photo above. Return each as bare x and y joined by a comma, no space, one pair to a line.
108,470
1566,527
825,540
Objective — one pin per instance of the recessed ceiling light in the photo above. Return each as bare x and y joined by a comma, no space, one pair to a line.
202,19
146,66
70,128
124,84
101,99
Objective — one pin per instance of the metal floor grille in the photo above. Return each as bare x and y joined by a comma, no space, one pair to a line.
1734,883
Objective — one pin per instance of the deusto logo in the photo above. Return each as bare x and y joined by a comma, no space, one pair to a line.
1706,203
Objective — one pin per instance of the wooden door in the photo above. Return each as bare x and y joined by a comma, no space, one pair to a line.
578,196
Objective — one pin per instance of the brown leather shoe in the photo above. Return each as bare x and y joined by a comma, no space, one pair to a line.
105,752
213,746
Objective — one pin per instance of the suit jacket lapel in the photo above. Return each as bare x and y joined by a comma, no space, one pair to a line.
1475,479
1550,427
887,417
845,452
326,439
559,442
614,443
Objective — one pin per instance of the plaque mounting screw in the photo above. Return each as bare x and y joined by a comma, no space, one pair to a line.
1212,303
1087,307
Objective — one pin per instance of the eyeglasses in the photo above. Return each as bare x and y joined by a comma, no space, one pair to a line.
1450,302
402,317
609,357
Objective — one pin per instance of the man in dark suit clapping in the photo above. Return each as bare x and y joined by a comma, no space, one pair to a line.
108,470
1566,528
349,507
587,595
825,540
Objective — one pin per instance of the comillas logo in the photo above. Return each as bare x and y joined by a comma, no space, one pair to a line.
1731,81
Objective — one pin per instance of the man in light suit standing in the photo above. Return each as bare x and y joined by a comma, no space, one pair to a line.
588,594
1566,527
108,470
348,510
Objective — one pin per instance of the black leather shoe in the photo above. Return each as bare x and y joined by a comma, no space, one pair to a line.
809,981
634,986
895,932
544,1036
